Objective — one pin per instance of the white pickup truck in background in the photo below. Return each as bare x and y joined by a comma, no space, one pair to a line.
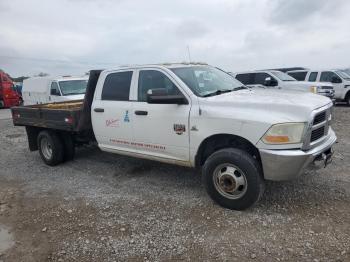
41,90
339,78
280,80
190,115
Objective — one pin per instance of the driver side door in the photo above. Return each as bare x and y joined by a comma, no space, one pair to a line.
160,130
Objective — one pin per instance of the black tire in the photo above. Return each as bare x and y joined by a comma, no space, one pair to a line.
69,147
347,99
243,164
54,155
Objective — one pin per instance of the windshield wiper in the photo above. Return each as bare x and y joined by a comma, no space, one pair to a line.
218,92
222,91
240,88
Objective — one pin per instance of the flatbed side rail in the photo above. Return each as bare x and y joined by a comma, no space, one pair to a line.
46,118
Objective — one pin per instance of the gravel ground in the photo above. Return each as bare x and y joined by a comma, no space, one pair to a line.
104,207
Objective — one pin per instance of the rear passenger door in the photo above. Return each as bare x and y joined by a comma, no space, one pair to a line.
111,117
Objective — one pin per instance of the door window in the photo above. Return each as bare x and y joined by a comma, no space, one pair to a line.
312,77
152,79
247,79
117,86
259,78
329,76
300,76
55,91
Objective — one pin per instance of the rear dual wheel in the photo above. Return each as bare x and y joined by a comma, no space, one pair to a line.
54,149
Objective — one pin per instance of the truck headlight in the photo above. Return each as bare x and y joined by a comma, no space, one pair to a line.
314,89
287,133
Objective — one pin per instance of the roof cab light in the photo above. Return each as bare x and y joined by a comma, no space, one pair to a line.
286,133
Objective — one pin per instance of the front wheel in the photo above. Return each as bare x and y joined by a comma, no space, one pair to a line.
233,179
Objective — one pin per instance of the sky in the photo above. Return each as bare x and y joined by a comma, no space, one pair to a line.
63,37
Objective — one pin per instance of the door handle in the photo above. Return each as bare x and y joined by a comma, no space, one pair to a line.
141,113
99,110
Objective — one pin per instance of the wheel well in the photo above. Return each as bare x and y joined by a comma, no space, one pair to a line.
33,132
221,141
347,94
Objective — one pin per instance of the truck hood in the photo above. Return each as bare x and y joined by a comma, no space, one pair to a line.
264,105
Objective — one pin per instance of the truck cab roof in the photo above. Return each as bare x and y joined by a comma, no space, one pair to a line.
160,65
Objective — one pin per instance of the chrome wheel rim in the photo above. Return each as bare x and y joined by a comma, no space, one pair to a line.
230,181
46,148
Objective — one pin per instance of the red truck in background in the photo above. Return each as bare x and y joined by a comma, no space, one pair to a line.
8,96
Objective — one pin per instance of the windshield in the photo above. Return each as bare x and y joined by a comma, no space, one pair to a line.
343,74
283,76
73,87
204,80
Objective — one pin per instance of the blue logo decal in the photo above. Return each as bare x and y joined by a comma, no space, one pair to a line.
126,117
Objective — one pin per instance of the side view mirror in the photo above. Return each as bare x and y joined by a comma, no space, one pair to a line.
336,80
160,96
270,81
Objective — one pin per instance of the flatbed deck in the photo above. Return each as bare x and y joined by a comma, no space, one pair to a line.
61,116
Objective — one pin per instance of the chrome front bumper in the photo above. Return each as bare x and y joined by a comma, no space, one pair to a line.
279,165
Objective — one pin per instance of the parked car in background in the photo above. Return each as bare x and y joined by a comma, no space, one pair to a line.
190,115
278,79
339,78
41,90
8,95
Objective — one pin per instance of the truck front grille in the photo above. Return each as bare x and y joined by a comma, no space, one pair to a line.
319,118
319,128
317,133
327,87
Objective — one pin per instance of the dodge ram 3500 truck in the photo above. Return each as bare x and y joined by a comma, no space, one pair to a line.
190,115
